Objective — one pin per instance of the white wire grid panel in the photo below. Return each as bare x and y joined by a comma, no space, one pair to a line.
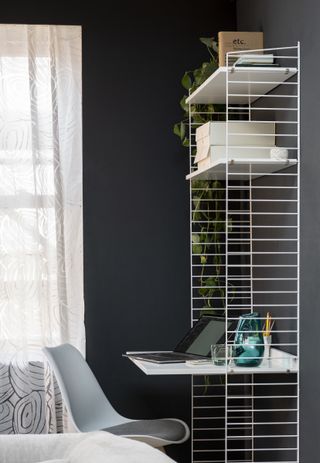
260,420
245,258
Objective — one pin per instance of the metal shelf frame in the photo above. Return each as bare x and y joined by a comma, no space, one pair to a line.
251,258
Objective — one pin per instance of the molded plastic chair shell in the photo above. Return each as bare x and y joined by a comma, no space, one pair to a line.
90,410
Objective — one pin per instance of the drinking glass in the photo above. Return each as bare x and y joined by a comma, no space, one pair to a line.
218,354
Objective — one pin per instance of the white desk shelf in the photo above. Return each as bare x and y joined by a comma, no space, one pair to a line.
241,169
249,82
280,362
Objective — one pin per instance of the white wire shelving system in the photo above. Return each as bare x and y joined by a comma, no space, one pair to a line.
250,262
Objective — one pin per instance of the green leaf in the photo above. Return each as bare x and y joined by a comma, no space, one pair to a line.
210,282
186,81
182,130
203,291
211,43
208,69
176,129
197,249
208,42
185,142
193,87
203,238
203,260
197,73
184,105
214,46
195,238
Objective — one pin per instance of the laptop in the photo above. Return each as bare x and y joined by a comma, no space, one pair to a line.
195,345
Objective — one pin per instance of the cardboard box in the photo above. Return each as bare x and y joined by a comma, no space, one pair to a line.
244,133
216,153
238,41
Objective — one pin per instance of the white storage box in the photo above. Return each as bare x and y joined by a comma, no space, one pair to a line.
239,134
218,153
247,133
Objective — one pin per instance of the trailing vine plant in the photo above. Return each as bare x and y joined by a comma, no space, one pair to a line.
190,81
207,195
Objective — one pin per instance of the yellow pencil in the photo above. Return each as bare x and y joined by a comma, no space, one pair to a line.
268,325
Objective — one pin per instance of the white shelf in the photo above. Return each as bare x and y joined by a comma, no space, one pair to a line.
242,168
280,362
247,81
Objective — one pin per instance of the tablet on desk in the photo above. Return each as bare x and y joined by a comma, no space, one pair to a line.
194,345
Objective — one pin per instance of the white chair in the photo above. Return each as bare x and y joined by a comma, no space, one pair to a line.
90,410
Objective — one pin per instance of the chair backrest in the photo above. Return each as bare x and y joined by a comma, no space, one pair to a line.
86,402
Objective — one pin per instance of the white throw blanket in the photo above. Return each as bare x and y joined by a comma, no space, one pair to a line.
97,447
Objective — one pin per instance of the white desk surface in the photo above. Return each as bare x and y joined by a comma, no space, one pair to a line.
280,362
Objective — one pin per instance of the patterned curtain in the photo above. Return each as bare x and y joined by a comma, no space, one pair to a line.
41,256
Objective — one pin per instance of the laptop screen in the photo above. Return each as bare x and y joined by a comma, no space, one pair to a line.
206,331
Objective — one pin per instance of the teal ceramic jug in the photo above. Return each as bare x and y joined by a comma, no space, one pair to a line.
248,343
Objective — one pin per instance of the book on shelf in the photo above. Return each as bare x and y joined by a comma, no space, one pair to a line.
256,60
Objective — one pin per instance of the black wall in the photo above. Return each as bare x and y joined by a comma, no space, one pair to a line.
284,22
135,197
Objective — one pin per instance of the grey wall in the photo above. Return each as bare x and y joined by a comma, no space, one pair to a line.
283,23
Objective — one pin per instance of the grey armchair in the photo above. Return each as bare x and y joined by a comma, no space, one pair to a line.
90,410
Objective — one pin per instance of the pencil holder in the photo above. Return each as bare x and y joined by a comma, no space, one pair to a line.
267,346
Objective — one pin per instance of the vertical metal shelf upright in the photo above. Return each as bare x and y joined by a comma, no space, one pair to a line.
251,262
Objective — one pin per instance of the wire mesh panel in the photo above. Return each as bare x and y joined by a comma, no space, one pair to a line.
245,256
260,421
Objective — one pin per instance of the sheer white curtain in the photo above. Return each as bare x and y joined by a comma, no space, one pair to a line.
41,254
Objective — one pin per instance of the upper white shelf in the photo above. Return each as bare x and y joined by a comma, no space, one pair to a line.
241,169
280,362
249,82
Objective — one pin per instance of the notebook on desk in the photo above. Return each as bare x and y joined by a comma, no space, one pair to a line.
194,345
